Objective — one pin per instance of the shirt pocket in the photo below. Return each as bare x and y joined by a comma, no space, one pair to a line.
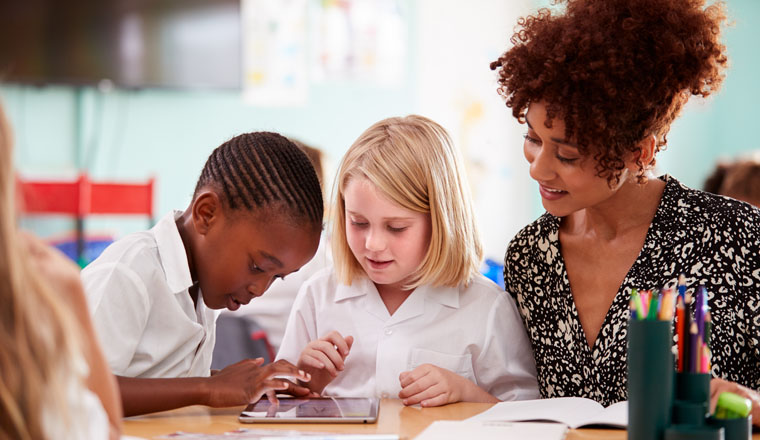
459,364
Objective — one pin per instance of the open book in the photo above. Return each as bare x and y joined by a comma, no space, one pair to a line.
574,412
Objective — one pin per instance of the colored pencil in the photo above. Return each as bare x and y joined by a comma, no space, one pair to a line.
693,348
680,331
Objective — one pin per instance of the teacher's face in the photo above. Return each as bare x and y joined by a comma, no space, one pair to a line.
567,181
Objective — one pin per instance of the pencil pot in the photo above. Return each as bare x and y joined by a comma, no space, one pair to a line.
735,429
650,379
692,402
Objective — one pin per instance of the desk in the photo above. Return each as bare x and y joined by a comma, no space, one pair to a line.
395,418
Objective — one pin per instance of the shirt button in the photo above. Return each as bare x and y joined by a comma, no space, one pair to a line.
388,331
384,395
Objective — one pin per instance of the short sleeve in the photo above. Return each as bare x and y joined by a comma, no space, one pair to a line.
120,305
505,367
302,326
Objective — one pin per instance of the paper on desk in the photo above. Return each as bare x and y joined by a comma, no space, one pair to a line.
271,434
485,430
240,434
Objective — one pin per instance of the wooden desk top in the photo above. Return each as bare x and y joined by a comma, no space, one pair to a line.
395,418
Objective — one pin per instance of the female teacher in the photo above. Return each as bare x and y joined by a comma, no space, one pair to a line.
598,87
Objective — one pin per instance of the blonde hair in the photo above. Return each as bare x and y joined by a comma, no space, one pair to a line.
38,336
412,161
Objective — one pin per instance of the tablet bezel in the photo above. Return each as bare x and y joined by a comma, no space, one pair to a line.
370,418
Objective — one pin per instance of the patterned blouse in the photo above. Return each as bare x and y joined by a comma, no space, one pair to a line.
711,239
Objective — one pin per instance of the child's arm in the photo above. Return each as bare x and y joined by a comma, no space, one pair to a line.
324,358
238,384
429,385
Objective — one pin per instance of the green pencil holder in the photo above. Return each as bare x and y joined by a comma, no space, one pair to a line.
650,379
693,387
692,402
736,429
690,413
690,432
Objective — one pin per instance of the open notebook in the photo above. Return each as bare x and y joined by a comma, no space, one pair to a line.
574,412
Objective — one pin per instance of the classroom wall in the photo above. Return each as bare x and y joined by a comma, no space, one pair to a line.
720,126
132,135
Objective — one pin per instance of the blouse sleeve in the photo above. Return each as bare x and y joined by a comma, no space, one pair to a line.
505,367
301,328
119,305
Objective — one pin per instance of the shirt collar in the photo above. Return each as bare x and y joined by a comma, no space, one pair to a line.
171,249
447,296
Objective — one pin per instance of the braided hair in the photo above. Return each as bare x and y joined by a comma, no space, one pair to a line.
263,169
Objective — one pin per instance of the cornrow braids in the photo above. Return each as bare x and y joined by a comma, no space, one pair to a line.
261,169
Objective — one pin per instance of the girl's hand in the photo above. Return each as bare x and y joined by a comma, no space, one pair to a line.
324,358
429,385
246,381
718,386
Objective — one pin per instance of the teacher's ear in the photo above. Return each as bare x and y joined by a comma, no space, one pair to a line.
646,151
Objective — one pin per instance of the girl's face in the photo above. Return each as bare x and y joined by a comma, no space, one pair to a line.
238,258
567,181
387,240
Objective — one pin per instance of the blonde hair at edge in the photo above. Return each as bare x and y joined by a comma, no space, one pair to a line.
38,337
412,161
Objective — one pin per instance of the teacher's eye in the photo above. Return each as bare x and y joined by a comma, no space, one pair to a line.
531,139
567,160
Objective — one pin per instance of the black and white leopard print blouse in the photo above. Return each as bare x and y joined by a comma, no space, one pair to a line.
711,239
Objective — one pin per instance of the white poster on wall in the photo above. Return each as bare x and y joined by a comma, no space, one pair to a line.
275,59
359,40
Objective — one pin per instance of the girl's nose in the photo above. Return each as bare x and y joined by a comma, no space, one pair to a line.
258,287
374,241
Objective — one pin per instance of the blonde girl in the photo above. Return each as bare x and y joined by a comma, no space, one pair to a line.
404,312
54,382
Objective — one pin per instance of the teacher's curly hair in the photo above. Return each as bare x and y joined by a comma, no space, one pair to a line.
615,71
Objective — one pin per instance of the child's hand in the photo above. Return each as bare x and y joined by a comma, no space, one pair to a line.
246,381
324,358
429,385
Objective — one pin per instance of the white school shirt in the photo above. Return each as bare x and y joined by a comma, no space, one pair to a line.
138,296
474,331
87,419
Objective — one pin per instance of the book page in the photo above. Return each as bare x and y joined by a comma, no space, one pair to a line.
485,430
572,411
615,415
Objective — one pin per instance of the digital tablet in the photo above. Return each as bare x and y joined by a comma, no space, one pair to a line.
313,410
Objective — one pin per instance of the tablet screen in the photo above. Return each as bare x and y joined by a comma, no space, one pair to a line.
320,409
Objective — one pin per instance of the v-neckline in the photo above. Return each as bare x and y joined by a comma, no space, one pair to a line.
623,294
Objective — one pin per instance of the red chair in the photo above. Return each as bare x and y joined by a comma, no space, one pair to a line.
83,197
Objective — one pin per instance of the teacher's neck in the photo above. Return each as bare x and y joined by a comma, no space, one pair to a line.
631,208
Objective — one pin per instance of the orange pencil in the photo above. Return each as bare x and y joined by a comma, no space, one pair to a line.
666,306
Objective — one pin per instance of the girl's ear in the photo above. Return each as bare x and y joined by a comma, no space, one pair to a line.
207,209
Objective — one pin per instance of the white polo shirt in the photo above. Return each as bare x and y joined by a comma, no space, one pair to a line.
137,293
475,332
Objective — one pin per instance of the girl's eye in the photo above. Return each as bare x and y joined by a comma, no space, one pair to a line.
401,229
358,224
255,269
